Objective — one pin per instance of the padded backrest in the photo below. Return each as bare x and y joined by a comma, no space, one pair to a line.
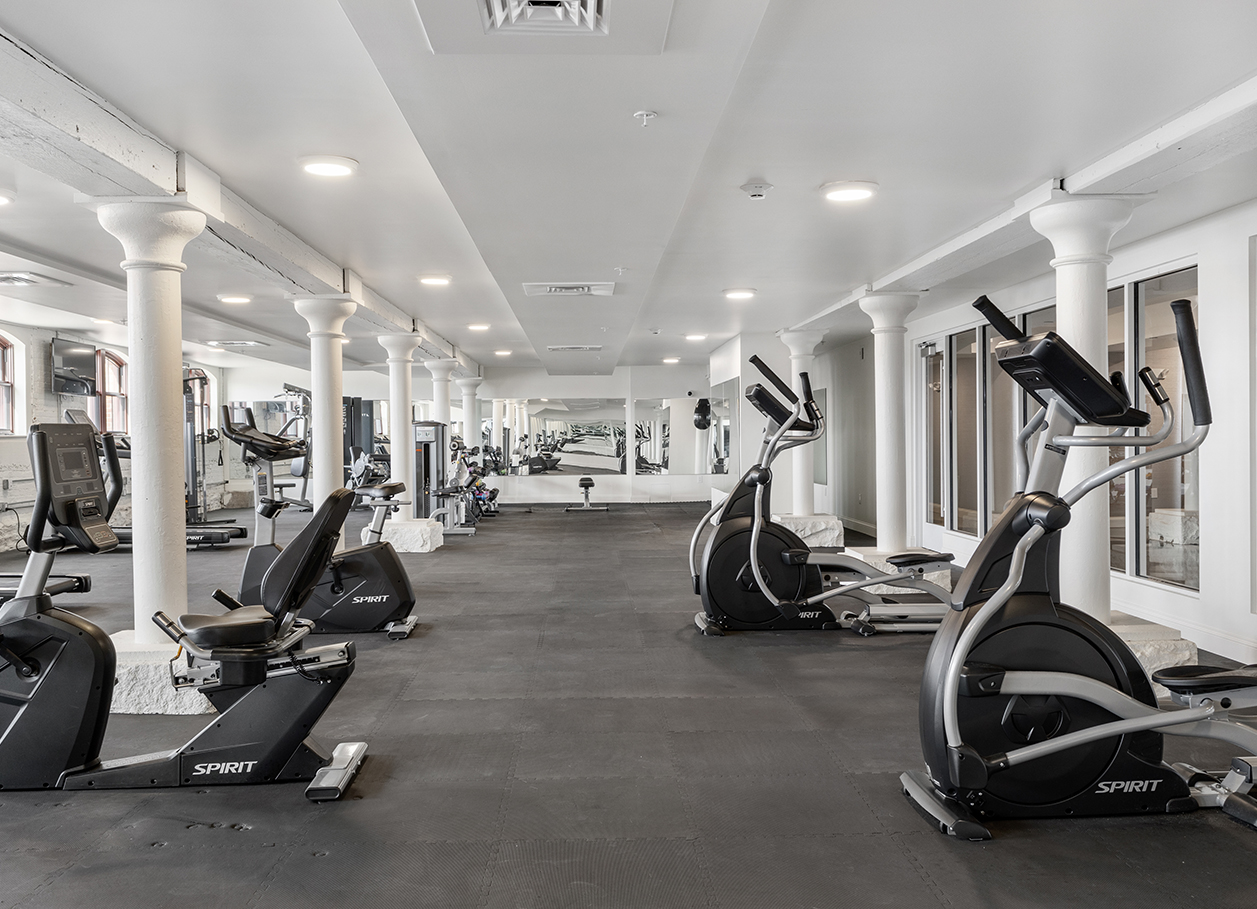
292,577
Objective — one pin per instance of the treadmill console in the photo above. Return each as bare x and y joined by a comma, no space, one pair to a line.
67,473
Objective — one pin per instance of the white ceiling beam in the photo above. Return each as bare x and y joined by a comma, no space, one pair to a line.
1203,137
53,124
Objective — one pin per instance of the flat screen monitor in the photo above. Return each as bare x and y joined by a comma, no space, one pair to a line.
73,367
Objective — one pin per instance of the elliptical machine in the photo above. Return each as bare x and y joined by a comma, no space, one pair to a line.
365,588
57,674
1033,709
786,586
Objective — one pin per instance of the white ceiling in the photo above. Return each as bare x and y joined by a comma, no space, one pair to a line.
502,159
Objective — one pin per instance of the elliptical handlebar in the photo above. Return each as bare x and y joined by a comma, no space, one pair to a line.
771,376
114,468
1193,367
43,493
1000,322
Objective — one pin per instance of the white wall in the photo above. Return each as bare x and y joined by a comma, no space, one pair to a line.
847,373
1222,617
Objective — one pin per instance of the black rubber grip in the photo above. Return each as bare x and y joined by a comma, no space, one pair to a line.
807,386
998,320
37,445
1193,368
114,467
1155,391
775,379
809,401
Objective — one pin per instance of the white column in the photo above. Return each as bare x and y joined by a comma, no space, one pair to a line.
471,410
441,371
1080,230
495,429
683,446
889,312
401,347
326,315
630,436
802,344
153,233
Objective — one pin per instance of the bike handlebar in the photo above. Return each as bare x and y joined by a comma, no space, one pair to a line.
1193,368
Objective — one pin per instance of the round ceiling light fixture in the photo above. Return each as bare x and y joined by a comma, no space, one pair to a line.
696,337
234,298
501,353
739,293
849,190
7,196
103,321
435,280
671,360
480,327
328,165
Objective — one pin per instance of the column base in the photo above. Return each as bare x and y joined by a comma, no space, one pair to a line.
412,536
1155,645
142,682
816,530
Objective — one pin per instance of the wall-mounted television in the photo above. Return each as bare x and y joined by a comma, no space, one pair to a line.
73,367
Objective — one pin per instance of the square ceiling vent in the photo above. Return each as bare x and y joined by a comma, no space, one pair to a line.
547,289
544,17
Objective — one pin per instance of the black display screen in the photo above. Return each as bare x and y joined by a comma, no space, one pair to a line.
73,464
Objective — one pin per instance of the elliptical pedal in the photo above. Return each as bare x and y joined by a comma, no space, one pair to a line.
401,629
707,626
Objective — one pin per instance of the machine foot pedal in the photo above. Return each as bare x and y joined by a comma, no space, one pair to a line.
948,815
401,629
330,782
707,626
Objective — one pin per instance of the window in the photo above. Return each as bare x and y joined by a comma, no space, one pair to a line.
7,392
935,428
1167,513
965,410
1117,489
111,382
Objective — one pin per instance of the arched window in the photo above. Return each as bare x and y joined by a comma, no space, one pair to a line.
111,385
7,386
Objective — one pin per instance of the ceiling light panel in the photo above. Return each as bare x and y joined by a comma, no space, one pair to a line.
570,289
328,165
544,17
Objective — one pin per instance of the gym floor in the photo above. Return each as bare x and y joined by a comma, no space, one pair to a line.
557,734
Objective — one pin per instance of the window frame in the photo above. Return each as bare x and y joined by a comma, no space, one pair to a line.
106,359
8,407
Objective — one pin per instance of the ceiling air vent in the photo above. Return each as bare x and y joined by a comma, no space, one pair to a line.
561,347
545,289
29,279
236,344
544,17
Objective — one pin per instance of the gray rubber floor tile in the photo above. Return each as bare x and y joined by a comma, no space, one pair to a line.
593,683
22,871
702,684
160,876
595,809
446,757
590,715
762,713
749,754
597,874
435,717
381,874
468,683
563,755
411,810
785,806
48,821
801,872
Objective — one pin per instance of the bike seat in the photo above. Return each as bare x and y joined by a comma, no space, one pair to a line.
918,557
586,483
380,490
447,491
241,627
1204,679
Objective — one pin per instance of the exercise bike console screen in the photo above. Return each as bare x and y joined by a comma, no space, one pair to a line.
65,453
73,464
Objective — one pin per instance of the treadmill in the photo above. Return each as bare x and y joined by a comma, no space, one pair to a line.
195,535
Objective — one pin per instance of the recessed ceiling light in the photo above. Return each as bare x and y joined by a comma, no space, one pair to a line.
849,190
740,293
7,196
478,327
439,280
696,337
328,165
545,400
234,298
671,360
103,321
502,353
344,340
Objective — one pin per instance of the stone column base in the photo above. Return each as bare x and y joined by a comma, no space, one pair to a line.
142,682
412,536
816,530
1155,645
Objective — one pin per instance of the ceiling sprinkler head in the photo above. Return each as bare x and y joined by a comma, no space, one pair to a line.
645,116
756,190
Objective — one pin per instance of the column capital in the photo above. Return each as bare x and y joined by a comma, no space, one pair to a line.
325,313
801,343
889,312
441,369
400,345
470,384
153,230
1082,227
